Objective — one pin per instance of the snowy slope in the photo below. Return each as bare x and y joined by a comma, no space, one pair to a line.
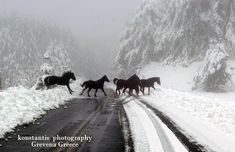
176,32
19,105
209,118
208,121
178,77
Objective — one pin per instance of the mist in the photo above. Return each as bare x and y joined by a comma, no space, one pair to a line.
96,24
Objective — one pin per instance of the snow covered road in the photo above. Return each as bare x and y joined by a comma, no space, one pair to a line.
96,118
150,134
168,118
155,135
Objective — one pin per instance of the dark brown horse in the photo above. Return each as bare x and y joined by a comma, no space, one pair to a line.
119,84
63,80
132,83
99,84
147,83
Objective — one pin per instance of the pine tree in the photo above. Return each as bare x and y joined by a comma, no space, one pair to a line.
137,42
215,73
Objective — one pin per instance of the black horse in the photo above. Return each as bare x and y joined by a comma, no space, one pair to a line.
63,80
119,84
132,83
147,83
99,84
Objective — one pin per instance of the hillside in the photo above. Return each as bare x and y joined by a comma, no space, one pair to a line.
23,43
175,32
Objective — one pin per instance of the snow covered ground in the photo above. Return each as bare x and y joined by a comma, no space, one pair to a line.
175,77
19,105
209,118
210,122
148,132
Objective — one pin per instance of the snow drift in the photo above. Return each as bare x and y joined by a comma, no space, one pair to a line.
19,105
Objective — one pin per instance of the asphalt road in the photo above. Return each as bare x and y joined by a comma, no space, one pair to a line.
99,119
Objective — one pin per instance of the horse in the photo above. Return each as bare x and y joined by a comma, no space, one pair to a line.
99,84
147,83
132,83
60,80
119,83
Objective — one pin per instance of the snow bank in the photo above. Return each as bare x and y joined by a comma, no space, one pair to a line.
19,105
209,120
208,117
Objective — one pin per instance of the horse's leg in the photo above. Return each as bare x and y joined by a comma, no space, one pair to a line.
142,90
83,91
48,87
103,91
95,92
124,90
153,87
88,91
70,90
130,91
148,90
137,91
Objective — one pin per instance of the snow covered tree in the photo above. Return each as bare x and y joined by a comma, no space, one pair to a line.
176,32
58,59
137,42
23,41
46,69
215,73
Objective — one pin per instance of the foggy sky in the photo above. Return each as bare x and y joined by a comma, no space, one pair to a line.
97,23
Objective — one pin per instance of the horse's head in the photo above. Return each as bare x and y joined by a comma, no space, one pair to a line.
157,79
105,78
115,80
70,75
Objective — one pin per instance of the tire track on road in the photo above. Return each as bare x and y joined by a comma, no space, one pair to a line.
166,143
189,142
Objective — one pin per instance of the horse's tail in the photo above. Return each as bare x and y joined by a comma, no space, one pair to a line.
84,83
115,81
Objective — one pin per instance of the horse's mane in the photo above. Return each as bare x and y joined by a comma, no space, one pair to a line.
103,77
66,73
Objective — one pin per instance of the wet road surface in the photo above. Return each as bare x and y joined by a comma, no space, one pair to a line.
97,118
